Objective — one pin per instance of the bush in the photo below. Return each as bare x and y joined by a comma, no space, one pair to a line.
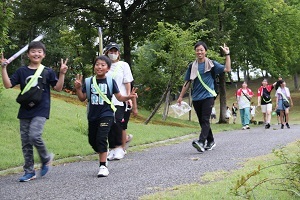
288,180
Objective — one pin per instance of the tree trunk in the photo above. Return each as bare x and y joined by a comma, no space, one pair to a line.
166,109
296,81
158,104
238,75
126,42
223,102
245,75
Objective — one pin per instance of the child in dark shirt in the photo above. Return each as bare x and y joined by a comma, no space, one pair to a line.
100,108
32,120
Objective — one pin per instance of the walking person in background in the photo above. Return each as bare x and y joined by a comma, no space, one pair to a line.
234,112
228,114
253,113
32,120
121,73
128,137
203,93
283,103
99,93
213,114
244,95
265,101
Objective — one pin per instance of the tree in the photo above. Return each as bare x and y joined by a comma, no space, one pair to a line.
6,16
165,54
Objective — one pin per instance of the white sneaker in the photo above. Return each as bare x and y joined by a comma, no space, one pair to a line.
129,138
111,154
103,171
247,127
244,128
119,153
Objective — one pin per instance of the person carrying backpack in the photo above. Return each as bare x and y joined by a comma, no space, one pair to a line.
99,90
203,92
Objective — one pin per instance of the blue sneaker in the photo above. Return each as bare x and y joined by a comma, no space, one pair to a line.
27,177
46,166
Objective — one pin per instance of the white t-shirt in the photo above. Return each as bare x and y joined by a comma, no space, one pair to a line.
121,73
252,108
213,111
228,113
284,91
243,102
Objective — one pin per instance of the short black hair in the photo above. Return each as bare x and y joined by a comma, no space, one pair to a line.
105,59
199,44
36,45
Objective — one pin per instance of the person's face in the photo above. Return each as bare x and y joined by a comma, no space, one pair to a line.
113,54
200,52
283,84
113,51
36,55
264,82
244,85
100,68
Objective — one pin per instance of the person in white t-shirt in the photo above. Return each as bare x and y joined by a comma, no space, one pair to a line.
228,114
213,114
252,111
244,95
121,73
283,102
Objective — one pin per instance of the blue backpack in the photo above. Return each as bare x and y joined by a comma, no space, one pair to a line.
88,82
88,86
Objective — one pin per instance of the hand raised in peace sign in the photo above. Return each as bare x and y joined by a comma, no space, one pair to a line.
225,49
78,81
3,60
63,66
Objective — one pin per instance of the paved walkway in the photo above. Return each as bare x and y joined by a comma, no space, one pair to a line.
143,172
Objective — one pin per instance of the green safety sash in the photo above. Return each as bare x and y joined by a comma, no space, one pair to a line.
103,96
33,78
206,86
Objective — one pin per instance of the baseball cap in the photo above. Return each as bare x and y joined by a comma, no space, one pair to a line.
112,45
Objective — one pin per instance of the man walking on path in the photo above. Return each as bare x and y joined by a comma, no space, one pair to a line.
203,94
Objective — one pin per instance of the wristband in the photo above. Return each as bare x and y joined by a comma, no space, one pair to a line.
227,54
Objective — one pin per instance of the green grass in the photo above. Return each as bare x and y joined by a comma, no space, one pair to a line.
219,185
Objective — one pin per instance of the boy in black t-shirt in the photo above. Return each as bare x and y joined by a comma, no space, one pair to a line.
32,120
101,110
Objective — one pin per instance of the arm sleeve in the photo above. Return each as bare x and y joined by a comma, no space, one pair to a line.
52,77
15,79
219,68
188,73
128,78
115,87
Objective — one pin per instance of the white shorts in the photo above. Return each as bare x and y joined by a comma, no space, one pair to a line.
266,108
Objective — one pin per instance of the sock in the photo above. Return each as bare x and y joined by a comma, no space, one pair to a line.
103,163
